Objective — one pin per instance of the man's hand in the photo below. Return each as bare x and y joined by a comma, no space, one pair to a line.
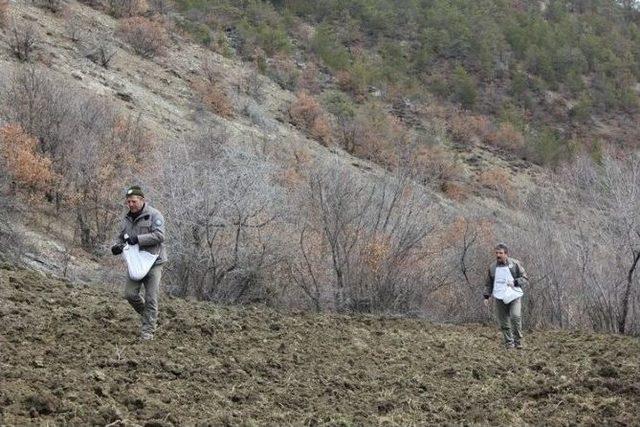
132,240
510,283
486,302
117,248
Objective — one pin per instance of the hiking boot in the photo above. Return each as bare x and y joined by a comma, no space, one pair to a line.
510,346
146,336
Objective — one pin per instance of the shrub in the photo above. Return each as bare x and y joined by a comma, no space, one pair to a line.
127,8
23,40
271,39
548,147
329,48
92,146
340,105
100,51
4,13
283,71
377,136
309,79
507,137
160,7
72,24
214,96
357,79
96,4
27,168
54,6
147,38
497,183
196,31
306,113
436,166
256,114
463,88
470,129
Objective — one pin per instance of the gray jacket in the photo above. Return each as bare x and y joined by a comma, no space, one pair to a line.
149,227
520,277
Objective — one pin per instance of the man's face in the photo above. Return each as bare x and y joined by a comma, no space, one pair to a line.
501,256
135,203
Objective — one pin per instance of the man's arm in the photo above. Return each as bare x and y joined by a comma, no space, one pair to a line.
116,249
156,234
522,279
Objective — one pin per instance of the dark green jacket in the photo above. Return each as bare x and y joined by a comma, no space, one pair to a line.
520,278
148,225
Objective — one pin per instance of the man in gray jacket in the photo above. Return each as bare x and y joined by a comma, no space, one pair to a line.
506,272
144,226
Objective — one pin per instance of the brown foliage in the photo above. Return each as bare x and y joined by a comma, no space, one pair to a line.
309,79
283,70
461,228
211,90
508,137
127,8
28,169
469,129
348,84
455,191
146,37
377,136
435,163
214,96
498,183
307,113
4,13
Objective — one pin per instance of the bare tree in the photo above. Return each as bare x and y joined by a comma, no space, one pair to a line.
73,24
223,205
23,40
100,50
609,239
93,147
373,236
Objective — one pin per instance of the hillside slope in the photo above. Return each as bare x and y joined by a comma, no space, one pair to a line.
69,354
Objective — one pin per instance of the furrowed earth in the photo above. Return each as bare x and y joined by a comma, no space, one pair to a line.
69,354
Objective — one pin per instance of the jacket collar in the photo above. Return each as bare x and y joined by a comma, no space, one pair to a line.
507,263
143,212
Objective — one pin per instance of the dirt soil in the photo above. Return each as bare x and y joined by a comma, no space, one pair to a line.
69,354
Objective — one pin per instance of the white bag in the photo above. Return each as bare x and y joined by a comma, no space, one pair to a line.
138,262
511,293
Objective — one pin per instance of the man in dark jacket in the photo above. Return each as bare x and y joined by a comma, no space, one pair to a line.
144,226
503,274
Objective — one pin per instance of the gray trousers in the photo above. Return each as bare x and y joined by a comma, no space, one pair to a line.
146,307
510,318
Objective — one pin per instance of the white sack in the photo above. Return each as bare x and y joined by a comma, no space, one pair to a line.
511,293
503,288
138,262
